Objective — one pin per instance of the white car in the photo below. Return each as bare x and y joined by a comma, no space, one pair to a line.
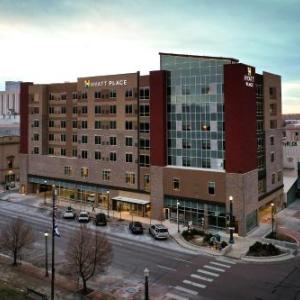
159,231
84,217
69,213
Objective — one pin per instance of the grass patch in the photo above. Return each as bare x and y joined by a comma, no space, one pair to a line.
7,293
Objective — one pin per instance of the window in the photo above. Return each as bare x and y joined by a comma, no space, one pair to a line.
51,137
97,155
205,90
112,156
36,136
128,93
74,152
63,97
98,95
186,144
144,93
273,109
273,124
272,92
74,95
206,144
84,95
50,151
144,144
272,156
130,178
272,140
63,110
144,127
205,163
67,170
84,154
113,124
74,138
36,123
147,182
63,137
74,124
273,178
84,172
36,150
186,162
84,109
113,140
97,109
128,141
144,110
113,93
97,124
279,176
75,110
211,187
97,140
128,125
129,157
144,160
51,123
205,127
176,184
84,124
51,110
106,175
128,109
186,126
63,152
63,124
112,109
84,139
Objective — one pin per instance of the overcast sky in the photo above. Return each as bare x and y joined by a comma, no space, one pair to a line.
59,40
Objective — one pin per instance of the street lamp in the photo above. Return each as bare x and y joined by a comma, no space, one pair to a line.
231,228
273,210
107,203
46,254
45,183
177,204
146,275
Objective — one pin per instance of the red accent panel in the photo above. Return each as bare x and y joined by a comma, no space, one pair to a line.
24,111
240,119
158,117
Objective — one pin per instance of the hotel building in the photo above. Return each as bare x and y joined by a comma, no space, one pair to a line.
10,99
185,137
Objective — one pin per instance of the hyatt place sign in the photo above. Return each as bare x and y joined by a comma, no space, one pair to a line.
89,83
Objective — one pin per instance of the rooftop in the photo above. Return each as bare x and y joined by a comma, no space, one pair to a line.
199,56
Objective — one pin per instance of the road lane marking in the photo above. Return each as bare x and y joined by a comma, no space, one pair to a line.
183,260
220,265
202,277
226,261
208,273
166,268
199,285
213,268
176,297
188,291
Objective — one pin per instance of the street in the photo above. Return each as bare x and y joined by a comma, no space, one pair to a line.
175,273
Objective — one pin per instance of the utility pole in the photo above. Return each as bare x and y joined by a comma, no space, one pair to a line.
53,241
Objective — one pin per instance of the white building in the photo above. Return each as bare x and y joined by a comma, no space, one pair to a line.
10,99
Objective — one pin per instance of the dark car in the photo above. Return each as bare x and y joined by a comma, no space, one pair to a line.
100,220
136,227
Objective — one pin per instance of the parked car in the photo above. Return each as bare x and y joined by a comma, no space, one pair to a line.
136,227
100,220
83,217
159,231
69,213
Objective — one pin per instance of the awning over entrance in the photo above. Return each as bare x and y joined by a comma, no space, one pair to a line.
131,200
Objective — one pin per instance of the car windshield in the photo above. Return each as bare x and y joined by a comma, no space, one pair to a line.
162,230
137,224
83,215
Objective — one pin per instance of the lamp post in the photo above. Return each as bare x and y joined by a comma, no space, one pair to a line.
146,275
177,204
45,183
46,254
53,242
231,228
272,211
107,193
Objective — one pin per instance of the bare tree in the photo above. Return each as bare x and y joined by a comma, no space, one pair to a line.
15,236
88,253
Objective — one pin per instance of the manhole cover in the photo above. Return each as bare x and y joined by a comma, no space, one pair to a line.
131,290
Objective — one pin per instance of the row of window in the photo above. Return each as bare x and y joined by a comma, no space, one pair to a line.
211,186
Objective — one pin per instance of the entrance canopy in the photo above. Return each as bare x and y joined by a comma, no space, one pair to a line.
131,200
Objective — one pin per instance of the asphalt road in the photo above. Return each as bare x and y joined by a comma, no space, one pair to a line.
174,272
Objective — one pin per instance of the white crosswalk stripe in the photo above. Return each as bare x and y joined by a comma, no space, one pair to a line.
199,285
208,273
175,297
220,265
226,260
202,278
188,291
213,268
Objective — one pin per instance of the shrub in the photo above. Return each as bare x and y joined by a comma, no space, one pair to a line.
260,249
223,244
189,234
206,238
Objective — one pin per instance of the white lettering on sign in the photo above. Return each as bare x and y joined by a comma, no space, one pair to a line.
120,82
293,144
249,78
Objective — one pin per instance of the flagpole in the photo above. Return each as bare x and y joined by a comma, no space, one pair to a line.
53,241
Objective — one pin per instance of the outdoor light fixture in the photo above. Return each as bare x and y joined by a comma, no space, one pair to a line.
146,275
231,228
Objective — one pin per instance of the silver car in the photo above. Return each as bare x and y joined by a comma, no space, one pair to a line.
84,217
159,231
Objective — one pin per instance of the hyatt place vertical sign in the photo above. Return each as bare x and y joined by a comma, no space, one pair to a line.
121,82
249,79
